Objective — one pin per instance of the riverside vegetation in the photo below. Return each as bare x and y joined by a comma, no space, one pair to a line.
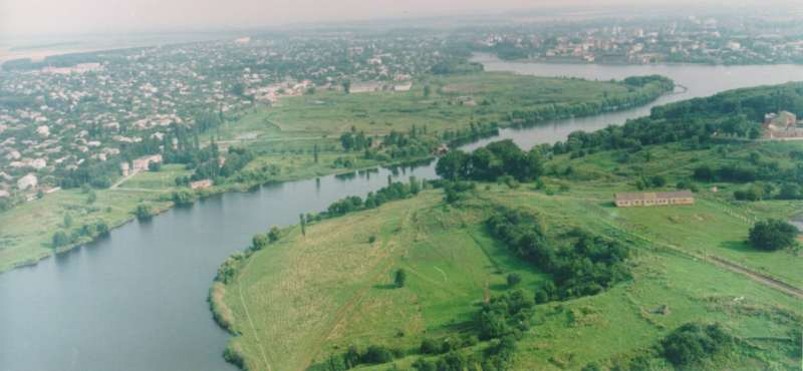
322,132
518,259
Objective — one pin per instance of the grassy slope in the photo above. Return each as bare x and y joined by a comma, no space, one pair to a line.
284,137
314,295
310,296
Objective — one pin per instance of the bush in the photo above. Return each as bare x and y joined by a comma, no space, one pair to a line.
772,234
60,239
429,346
513,279
183,198
692,343
274,234
400,278
143,212
259,242
376,354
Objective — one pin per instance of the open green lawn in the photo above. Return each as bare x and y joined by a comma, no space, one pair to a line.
315,295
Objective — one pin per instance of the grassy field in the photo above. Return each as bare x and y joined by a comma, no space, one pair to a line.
455,101
309,296
27,230
283,137
306,299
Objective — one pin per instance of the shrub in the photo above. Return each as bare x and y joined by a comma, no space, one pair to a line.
400,278
513,279
772,234
60,239
143,212
376,354
692,343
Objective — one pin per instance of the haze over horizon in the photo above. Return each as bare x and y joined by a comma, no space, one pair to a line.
47,17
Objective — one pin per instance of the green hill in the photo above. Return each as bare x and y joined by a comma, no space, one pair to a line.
533,267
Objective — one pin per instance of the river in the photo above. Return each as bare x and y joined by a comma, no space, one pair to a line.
137,299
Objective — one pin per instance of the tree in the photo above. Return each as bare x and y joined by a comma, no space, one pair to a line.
259,242
91,197
346,86
427,91
154,166
238,89
273,234
143,212
452,166
692,343
60,239
400,278
772,234
513,279
68,220
183,197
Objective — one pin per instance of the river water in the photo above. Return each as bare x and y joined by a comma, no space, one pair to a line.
137,299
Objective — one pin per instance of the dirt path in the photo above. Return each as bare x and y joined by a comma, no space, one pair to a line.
357,298
753,275
123,179
758,277
253,328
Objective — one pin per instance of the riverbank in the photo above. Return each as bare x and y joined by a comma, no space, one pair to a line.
286,137
327,294
310,297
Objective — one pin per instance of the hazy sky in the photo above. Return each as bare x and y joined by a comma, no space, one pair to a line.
75,16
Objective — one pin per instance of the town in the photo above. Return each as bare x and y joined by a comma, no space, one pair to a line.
72,120
692,39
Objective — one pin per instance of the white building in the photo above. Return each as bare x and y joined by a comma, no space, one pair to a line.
28,181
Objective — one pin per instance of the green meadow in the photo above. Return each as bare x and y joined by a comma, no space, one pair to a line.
307,297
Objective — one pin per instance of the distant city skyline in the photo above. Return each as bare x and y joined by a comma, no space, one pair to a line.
38,17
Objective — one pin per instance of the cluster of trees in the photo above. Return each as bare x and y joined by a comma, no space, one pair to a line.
228,269
353,357
143,211
355,141
491,162
501,321
414,143
692,343
731,113
773,234
395,191
85,232
583,264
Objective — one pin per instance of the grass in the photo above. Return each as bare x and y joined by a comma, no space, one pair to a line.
311,296
327,114
283,138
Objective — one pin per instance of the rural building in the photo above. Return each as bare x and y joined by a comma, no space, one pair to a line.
201,184
782,125
140,164
637,199
28,181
